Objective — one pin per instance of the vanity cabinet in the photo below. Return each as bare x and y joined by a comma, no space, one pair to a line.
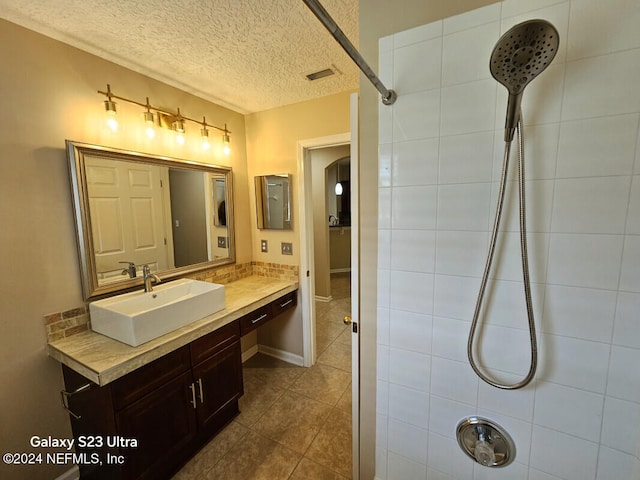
259,317
170,407
163,426
217,375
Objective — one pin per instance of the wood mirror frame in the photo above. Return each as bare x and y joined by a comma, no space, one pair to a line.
110,246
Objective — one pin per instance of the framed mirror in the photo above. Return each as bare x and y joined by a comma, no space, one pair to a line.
135,209
273,201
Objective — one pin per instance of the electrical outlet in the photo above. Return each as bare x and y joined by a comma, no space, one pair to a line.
287,248
264,246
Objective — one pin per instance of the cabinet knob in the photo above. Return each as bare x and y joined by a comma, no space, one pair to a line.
347,320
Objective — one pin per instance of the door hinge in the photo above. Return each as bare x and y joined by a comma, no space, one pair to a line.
307,273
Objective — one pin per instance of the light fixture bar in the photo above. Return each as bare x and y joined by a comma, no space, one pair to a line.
110,95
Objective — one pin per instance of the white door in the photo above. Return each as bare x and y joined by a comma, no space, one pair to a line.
355,287
125,200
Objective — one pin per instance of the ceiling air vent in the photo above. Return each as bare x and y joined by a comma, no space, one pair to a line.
327,72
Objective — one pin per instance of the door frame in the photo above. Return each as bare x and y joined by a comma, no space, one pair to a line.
307,281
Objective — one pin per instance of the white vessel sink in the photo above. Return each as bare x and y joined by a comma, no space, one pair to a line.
137,317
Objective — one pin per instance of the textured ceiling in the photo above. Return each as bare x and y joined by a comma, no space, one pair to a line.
247,55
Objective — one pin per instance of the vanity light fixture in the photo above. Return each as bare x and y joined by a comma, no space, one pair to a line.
148,120
204,132
226,141
163,118
110,108
178,127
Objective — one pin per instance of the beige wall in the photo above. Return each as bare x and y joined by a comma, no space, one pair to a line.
49,94
272,147
379,18
272,139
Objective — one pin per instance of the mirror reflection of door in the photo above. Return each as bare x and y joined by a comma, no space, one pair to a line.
189,217
125,201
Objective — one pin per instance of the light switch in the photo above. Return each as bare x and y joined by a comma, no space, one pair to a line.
264,248
287,248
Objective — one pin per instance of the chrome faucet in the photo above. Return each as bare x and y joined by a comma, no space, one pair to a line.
130,270
149,278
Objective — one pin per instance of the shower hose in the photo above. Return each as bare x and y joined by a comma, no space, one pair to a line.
525,268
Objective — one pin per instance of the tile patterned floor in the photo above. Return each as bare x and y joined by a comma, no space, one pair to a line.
295,422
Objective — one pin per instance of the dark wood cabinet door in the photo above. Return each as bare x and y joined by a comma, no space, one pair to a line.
163,423
218,382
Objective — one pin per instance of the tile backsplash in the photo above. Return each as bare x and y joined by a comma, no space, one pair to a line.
64,324
440,158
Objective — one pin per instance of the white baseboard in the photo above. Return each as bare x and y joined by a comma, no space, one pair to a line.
340,270
323,299
282,355
72,474
247,354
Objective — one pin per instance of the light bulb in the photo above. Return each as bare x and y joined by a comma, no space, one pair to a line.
205,138
226,142
112,121
150,127
178,126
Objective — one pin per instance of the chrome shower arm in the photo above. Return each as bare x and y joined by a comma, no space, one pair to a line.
388,96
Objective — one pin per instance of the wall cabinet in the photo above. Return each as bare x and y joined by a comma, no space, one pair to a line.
148,423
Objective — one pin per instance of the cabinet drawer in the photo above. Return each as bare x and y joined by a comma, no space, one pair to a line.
212,343
284,303
253,320
138,383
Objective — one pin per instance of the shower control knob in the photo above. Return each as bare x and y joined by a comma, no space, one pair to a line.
485,442
484,453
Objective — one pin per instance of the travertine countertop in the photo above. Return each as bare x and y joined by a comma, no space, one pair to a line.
102,359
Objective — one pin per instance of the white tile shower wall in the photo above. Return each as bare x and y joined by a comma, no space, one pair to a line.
440,161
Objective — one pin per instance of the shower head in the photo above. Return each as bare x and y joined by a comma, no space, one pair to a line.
521,55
